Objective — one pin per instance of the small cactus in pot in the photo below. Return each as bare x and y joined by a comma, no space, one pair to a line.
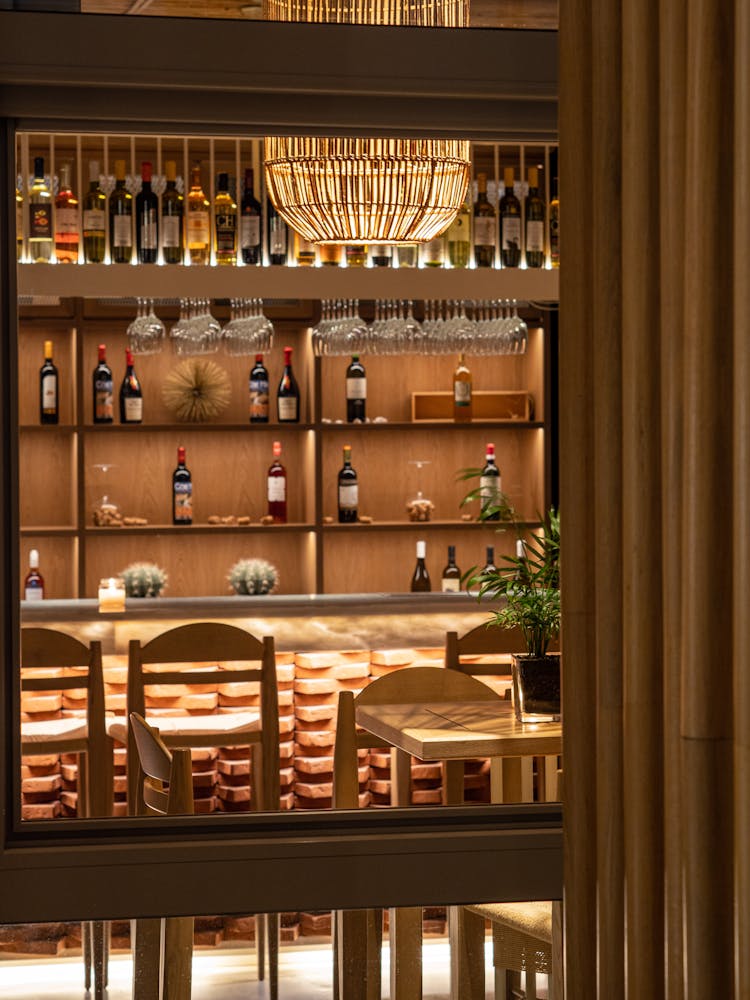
143,579
253,576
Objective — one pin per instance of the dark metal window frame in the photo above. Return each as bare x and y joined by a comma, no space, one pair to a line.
73,72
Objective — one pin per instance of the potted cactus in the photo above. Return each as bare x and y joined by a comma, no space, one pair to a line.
253,576
143,579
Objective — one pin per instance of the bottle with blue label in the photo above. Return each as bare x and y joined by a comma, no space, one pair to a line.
259,392
182,492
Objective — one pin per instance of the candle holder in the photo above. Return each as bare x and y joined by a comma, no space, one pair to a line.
111,596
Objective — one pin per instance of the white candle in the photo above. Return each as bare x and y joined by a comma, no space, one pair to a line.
111,596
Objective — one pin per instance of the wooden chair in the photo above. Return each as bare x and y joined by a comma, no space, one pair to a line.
357,943
162,947
46,651
210,644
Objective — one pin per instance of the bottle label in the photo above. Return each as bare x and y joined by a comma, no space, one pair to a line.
356,388
259,398
459,230
197,227
484,231
288,407
226,233
249,231
348,496
49,392
535,236
434,250
103,402
462,393
183,501
170,231
305,247
277,237
40,221
512,232
276,489
122,233
554,236
93,221
133,409
452,585
66,222
489,489
33,593
149,236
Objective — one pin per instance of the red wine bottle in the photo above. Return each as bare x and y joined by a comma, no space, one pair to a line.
287,397
49,395
34,583
420,581
104,407
489,485
131,397
348,490
146,219
182,492
250,212
451,580
356,390
277,487
489,566
259,392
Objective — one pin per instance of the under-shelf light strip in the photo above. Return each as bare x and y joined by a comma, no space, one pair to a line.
497,204
25,191
211,196
79,189
547,258
522,179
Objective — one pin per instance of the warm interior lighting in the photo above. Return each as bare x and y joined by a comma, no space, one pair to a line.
333,190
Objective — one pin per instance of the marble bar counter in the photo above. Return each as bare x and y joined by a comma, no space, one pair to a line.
307,622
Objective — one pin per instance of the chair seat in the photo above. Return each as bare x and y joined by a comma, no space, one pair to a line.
531,919
54,729
190,725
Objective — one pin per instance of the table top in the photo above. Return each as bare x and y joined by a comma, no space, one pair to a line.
457,730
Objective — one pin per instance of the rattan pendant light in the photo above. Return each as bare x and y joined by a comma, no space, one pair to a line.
334,190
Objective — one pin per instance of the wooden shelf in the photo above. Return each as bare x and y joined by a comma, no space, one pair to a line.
54,428
429,525
184,426
48,531
198,529
436,425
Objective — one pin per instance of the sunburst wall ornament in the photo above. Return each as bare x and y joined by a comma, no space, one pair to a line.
197,390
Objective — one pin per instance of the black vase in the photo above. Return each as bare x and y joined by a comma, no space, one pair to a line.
536,687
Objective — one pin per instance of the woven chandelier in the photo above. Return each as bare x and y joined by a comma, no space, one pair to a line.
346,190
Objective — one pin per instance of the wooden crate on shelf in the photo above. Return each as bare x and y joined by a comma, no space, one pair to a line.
500,405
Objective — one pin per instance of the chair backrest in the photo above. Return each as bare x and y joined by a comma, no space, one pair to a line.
485,641
159,767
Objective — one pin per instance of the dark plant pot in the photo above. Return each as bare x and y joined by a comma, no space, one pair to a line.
536,687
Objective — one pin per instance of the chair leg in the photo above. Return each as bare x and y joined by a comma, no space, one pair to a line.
405,935
556,987
273,955
147,947
177,964
260,944
98,951
466,931
86,946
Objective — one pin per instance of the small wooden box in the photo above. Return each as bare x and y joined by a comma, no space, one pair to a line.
432,407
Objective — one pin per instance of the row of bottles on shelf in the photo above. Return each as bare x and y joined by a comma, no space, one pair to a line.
177,229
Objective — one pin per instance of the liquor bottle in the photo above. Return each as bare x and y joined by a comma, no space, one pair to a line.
348,489
172,217
146,219
278,236
356,390
40,216
534,222
259,392
490,486
521,575
19,225
94,219
510,224
382,255
49,395
451,579
554,214
33,587
120,218
104,407
131,397
250,213
356,254
225,222
305,252
287,395
277,487
489,565
459,235
406,254
462,408
330,254
433,252
484,226
182,492
420,581
198,226
67,231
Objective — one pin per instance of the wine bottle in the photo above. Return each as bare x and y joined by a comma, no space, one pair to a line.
484,226
94,218
305,252
534,222
225,222
521,575
382,255
146,219
489,565
121,218
356,254
459,235
104,409
287,395
348,489
172,217
259,392
330,254
433,252
462,406
40,216
33,587
67,229
277,487
554,214
250,213
278,236
510,224
182,492
19,225
49,395
490,487
131,397
198,226
420,581
451,579
356,390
